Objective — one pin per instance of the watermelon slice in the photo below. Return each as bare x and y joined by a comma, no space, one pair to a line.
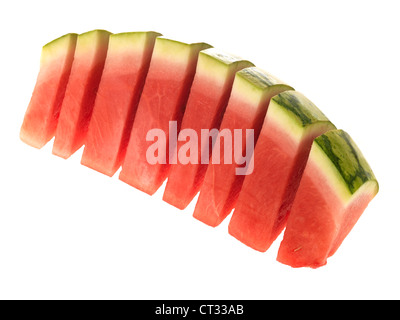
251,93
163,99
80,94
336,187
41,117
291,124
124,74
206,105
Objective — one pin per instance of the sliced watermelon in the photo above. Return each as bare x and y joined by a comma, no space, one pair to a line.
303,173
336,187
80,94
206,105
41,117
247,107
124,74
163,99
291,124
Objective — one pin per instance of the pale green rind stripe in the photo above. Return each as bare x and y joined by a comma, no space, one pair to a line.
259,78
218,59
130,36
254,85
61,39
219,66
93,32
176,51
224,57
61,45
86,40
125,41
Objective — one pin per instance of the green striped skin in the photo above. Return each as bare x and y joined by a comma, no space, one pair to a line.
299,106
347,158
219,66
224,58
299,117
259,78
252,84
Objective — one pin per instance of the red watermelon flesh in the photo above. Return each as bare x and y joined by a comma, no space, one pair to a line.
80,94
125,70
291,124
163,99
205,108
336,187
41,117
251,93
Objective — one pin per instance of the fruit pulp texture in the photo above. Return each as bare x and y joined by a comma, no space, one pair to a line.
117,98
163,100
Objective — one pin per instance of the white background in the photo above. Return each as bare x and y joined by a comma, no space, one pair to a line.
67,232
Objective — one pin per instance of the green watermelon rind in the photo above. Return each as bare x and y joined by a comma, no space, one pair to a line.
87,39
297,114
56,42
216,64
49,50
225,58
129,37
343,163
176,51
259,78
254,84
302,109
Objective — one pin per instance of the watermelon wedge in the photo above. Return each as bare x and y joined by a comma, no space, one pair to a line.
41,117
124,74
206,105
251,93
336,187
163,99
281,153
80,94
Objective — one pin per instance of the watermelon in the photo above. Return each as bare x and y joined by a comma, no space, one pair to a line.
336,187
80,94
291,124
206,105
124,74
163,99
251,93
130,95
41,117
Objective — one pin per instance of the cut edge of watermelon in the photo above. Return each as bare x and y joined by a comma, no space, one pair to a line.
216,69
299,139
36,131
55,47
125,44
290,255
297,248
175,54
252,87
70,135
175,51
217,65
337,173
354,192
